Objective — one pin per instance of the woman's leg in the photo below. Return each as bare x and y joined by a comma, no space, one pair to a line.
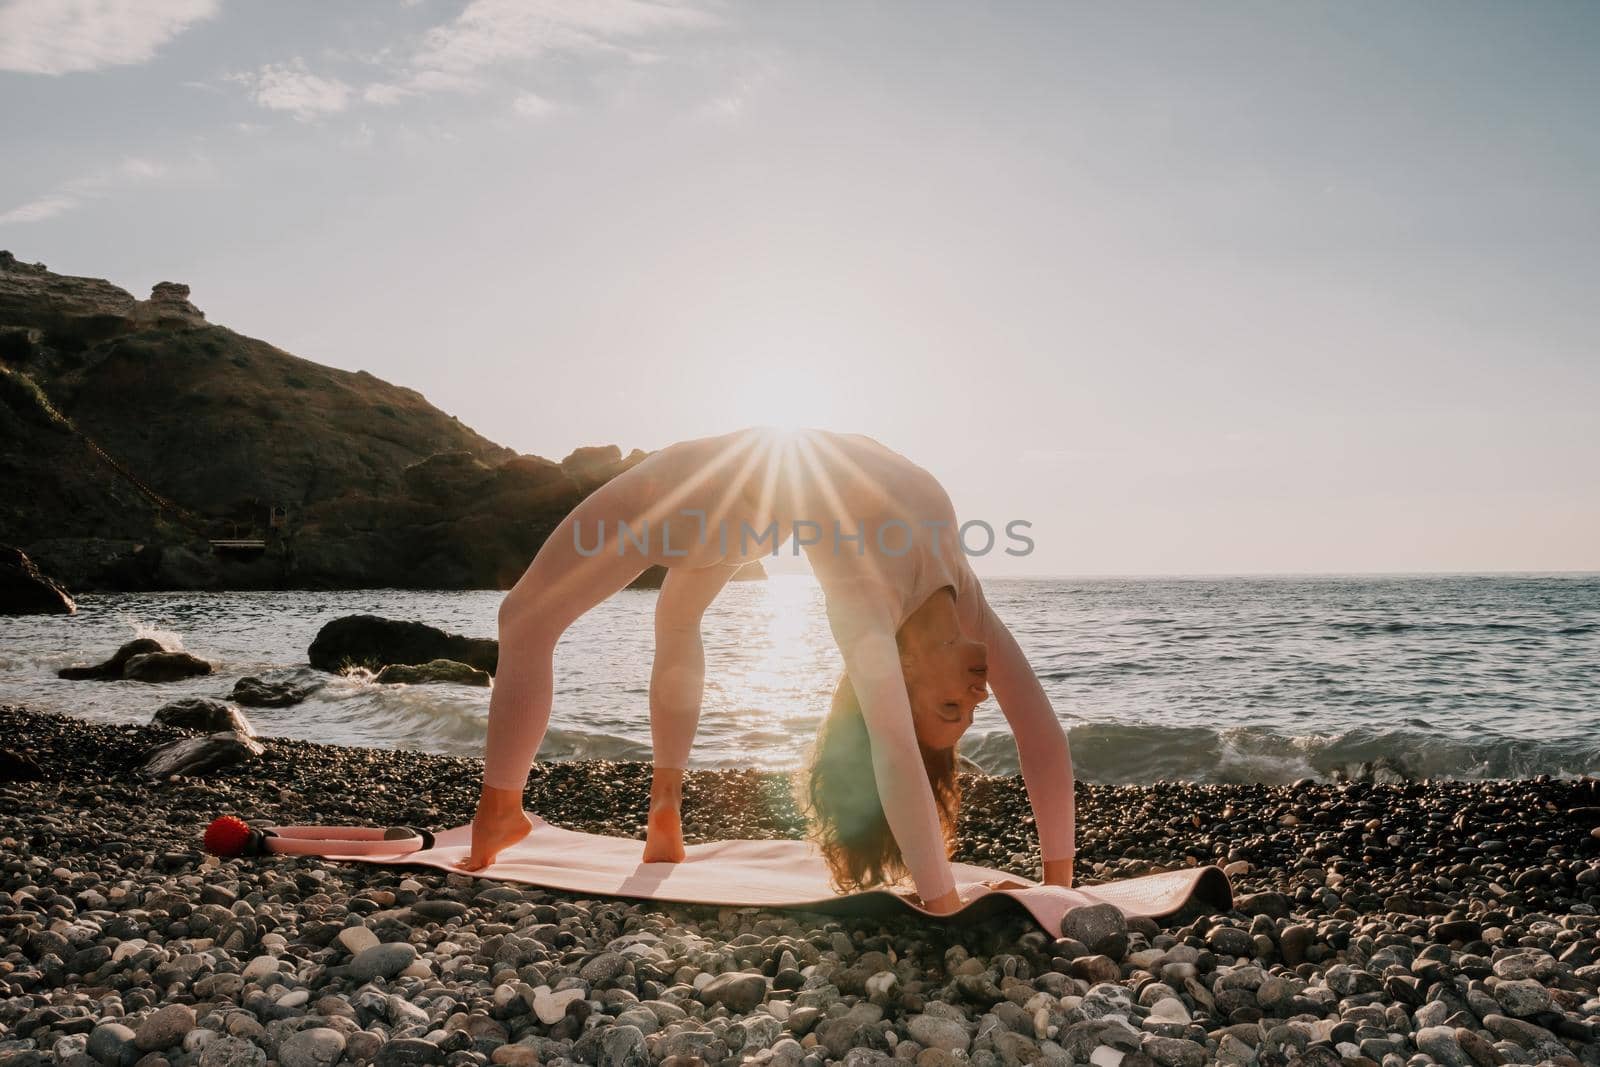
558,587
677,688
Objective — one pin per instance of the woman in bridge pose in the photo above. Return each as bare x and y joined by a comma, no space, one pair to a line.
918,639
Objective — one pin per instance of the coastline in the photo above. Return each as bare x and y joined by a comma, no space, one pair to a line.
1457,918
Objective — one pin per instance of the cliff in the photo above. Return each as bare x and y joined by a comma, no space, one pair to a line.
134,435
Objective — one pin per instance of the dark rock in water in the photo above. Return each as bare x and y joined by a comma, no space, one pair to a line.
19,767
198,755
374,642
203,715
164,667
25,591
263,693
435,670
112,668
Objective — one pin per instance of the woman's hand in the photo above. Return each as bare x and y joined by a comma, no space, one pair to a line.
499,824
1058,872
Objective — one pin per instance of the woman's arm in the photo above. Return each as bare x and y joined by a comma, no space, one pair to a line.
1041,744
865,632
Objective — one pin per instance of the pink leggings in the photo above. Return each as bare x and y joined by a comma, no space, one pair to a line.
559,586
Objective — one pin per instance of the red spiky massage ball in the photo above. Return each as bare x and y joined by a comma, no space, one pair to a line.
226,835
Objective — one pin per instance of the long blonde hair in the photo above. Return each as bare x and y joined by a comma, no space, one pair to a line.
839,795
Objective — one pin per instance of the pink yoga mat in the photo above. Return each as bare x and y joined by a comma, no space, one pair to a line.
763,873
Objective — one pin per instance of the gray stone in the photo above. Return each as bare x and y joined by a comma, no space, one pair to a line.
1526,963
623,1046
112,1043
604,967
1101,927
165,1028
231,1052
408,1052
740,991
931,1031
1522,997
320,1046
1440,1043
382,961
1174,1051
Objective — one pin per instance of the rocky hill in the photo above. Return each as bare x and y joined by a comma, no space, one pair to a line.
134,435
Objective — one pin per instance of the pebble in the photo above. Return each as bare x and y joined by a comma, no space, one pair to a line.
382,961
1397,923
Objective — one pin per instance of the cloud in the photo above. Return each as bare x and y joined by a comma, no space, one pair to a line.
495,31
64,36
77,192
383,93
454,56
291,87
45,207
532,105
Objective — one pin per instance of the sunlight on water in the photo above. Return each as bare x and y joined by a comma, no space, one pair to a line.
1237,679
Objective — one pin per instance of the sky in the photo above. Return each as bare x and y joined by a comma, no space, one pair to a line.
1188,288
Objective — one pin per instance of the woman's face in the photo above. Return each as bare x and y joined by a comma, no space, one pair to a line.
945,673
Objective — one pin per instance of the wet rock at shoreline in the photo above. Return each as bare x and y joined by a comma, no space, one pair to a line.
112,668
435,670
199,755
257,692
374,642
164,667
203,715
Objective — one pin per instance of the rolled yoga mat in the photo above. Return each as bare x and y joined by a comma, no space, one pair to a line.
750,873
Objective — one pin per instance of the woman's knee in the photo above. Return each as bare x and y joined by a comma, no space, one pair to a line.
525,621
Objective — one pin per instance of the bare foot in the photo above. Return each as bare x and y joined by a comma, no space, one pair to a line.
499,824
663,839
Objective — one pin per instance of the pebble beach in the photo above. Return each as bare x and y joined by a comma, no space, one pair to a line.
1398,923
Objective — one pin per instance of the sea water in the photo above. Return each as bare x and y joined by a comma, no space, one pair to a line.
1204,679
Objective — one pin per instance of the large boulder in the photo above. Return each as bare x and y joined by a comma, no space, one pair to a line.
591,466
436,670
167,308
111,669
374,642
199,755
164,667
25,591
202,715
